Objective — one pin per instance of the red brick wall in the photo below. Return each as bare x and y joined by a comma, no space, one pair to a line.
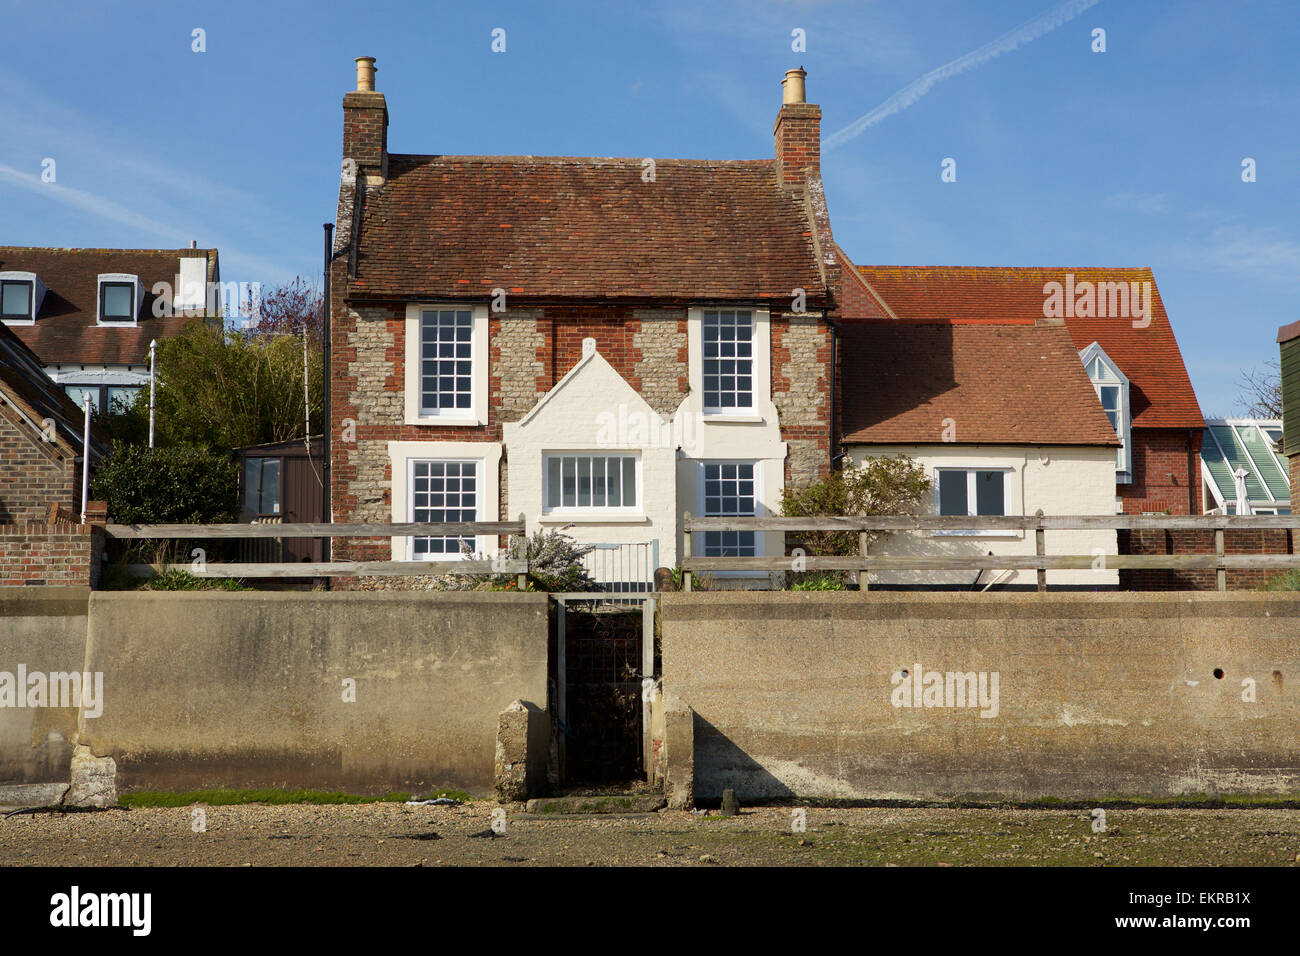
33,474
33,555
1279,541
798,140
1157,453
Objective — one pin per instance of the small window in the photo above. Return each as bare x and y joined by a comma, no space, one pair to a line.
597,482
117,302
1113,391
729,490
261,487
121,399
961,492
443,491
728,337
16,300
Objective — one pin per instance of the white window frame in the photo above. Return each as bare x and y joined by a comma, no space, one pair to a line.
35,296
1092,353
403,455
761,383
635,510
971,499
476,414
119,278
697,546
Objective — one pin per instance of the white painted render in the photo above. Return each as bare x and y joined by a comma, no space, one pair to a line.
594,410
1060,479
125,375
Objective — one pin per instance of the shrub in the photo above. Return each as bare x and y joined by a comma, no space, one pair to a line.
554,564
818,581
1285,582
892,485
179,485
175,579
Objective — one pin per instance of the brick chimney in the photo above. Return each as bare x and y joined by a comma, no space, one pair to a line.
365,126
798,132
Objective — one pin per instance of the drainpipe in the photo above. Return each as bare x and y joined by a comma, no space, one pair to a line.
327,444
85,459
835,338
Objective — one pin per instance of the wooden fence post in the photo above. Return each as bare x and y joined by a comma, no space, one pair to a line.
1040,549
863,540
522,580
686,550
1220,573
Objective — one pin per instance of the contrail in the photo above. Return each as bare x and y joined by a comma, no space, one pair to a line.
1028,31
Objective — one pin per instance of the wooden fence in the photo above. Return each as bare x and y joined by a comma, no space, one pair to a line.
302,569
1040,561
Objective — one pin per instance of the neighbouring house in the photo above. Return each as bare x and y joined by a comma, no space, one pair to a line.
41,439
1288,344
1240,460
89,314
282,483
600,345
1004,421
1118,324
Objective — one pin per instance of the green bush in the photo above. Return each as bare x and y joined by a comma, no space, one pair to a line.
177,485
554,565
889,485
175,579
818,581
1286,582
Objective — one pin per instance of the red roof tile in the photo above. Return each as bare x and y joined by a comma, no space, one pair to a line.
999,384
584,228
66,331
1161,394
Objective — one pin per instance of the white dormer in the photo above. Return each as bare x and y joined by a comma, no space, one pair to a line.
120,297
1112,389
21,294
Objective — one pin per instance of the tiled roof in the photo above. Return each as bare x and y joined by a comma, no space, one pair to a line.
565,227
999,384
1161,394
66,330
26,385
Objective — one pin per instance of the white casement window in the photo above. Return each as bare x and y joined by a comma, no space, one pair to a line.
729,488
120,298
728,356
446,364
444,490
1112,389
590,482
20,297
973,491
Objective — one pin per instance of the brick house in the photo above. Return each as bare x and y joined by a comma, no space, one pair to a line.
89,314
1127,349
597,344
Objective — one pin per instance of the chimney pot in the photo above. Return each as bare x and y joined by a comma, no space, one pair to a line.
366,74
194,243
792,87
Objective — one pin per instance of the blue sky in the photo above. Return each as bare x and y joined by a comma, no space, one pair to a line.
1064,156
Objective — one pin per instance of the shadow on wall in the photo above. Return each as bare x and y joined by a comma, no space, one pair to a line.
720,764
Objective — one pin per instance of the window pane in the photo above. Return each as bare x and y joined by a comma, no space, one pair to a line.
990,497
118,302
1109,397
15,299
553,482
729,490
584,482
728,359
252,485
270,486
952,493
570,481
78,395
446,340
629,482
444,491
121,399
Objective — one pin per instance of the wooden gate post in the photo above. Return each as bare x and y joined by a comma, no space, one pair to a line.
686,550
1040,549
863,540
1220,572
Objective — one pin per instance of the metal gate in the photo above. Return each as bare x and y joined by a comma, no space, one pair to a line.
602,652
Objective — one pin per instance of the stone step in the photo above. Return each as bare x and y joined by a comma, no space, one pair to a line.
597,803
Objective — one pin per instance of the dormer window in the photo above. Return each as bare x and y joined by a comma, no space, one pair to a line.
1112,389
20,297
120,298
